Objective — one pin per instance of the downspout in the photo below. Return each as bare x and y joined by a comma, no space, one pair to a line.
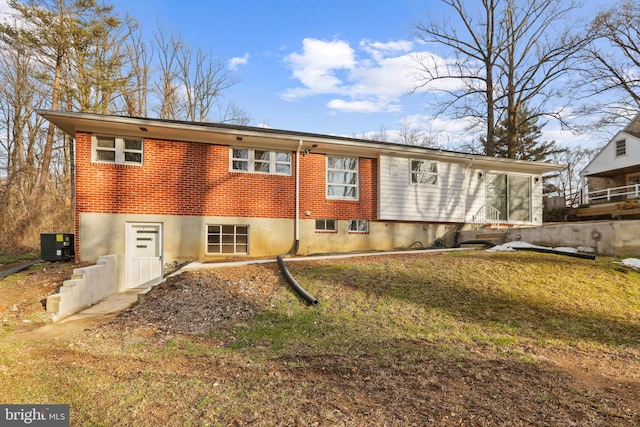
285,271
296,232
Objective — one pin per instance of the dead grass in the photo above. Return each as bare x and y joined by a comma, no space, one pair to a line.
463,338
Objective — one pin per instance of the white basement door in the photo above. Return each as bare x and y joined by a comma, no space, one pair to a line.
143,254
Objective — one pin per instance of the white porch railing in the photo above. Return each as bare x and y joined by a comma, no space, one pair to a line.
615,193
486,215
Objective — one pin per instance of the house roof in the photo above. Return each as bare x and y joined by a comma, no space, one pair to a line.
256,137
608,164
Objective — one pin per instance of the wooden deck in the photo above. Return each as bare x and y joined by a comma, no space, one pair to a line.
613,210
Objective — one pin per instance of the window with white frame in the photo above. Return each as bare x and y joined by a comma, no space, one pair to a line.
227,239
110,149
621,148
358,226
342,177
260,161
424,172
326,224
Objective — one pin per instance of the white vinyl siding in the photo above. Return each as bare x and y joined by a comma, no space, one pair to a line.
609,159
400,199
460,194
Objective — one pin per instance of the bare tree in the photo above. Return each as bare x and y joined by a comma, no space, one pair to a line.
414,135
136,73
203,78
566,182
54,53
507,55
467,79
231,113
167,87
536,57
21,144
190,84
78,55
64,36
613,60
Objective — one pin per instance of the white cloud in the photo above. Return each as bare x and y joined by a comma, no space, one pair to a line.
379,50
317,65
237,61
386,78
372,78
363,106
446,132
4,7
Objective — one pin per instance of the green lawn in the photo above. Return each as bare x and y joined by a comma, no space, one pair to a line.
456,338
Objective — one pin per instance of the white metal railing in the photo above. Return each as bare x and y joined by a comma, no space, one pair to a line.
486,215
616,193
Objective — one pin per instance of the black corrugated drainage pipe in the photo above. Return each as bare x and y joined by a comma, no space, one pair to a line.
17,269
304,294
553,251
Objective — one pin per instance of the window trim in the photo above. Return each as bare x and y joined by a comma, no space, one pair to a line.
119,149
621,147
222,244
251,161
428,173
358,222
326,229
355,186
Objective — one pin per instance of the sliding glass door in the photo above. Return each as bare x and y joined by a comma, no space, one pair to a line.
510,197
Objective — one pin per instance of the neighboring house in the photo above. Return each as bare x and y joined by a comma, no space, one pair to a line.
614,173
160,191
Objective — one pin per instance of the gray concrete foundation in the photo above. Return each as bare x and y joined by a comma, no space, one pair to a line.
610,238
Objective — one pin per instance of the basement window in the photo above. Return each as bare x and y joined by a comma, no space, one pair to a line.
120,151
328,225
358,226
227,239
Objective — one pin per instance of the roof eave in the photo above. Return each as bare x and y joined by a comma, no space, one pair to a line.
213,133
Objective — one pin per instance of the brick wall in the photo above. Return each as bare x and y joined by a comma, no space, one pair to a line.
313,181
180,178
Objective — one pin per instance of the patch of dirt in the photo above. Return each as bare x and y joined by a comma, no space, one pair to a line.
23,295
471,391
196,302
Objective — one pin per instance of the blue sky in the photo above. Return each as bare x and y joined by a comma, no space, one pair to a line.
324,66
289,54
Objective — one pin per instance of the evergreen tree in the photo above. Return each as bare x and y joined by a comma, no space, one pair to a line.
527,142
